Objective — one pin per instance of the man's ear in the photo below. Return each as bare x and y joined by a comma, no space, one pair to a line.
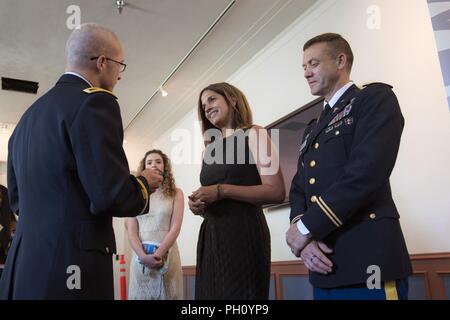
341,61
100,62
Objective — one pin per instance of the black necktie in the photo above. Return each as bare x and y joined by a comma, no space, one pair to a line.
325,112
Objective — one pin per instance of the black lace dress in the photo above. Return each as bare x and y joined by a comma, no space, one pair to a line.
233,250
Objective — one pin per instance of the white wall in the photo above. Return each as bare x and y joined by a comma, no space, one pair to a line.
3,170
402,53
6,129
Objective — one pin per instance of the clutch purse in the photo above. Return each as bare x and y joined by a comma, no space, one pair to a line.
150,248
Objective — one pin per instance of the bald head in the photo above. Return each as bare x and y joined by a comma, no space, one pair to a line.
90,40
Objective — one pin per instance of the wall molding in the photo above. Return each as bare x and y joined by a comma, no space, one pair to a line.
433,267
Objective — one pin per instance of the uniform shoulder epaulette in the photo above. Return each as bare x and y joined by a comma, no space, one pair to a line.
377,83
95,89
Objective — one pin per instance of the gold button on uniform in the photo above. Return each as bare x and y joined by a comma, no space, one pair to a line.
316,145
372,216
312,164
313,199
312,181
337,132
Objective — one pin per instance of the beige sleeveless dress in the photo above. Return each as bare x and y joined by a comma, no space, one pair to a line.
152,284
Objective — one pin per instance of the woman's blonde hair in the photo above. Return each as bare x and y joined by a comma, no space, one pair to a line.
168,188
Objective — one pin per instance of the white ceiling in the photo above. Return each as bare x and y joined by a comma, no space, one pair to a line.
156,35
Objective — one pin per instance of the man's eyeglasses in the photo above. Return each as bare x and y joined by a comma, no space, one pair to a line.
123,66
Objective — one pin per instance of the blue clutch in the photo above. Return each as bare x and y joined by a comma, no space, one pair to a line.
150,248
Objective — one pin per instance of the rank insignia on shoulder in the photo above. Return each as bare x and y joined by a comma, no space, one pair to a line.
377,83
95,89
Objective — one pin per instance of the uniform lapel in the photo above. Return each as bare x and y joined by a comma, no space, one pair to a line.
341,104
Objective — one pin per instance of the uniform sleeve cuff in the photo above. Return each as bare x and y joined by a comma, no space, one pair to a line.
296,218
302,228
146,191
144,181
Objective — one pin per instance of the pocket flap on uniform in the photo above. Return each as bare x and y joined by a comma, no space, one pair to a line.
379,214
336,132
95,236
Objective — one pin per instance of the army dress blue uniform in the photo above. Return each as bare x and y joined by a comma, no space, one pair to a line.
67,177
341,191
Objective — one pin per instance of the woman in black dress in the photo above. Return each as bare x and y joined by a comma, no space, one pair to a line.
7,226
240,173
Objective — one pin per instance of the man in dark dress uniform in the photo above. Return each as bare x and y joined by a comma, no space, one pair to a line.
68,176
344,223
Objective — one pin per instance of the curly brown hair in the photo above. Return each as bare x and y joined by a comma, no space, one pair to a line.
168,188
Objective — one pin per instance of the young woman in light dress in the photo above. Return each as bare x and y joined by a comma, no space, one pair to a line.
158,275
